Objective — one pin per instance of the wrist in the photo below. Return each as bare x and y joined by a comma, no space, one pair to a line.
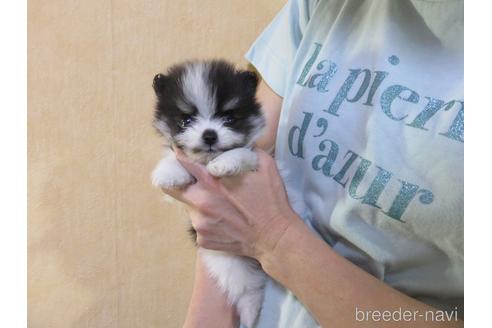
284,236
272,232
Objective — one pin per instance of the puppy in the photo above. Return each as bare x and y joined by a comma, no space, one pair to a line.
208,109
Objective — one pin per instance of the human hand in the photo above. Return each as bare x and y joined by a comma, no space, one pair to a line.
245,215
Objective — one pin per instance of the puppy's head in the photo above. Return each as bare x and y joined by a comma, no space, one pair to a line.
207,107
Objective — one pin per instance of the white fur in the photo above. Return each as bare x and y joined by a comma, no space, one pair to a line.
170,174
230,104
196,88
259,128
185,108
240,278
192,138
162,127
233,162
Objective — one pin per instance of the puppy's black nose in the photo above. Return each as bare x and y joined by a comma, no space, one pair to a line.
209,137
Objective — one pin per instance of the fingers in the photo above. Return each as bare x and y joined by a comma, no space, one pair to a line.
175,193
265,160
188,194
193,168
197,170
197,197
210,232
217,245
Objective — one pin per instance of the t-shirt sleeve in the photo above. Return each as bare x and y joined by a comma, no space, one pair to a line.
272,54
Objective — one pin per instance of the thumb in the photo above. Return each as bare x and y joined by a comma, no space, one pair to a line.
195,169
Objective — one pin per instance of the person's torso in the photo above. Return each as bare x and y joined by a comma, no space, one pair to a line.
370,141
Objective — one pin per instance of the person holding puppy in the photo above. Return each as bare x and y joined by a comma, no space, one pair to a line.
364,107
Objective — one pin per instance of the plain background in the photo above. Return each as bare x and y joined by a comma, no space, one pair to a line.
104,249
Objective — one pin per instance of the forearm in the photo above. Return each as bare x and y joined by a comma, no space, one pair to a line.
270,106
331,287
208,305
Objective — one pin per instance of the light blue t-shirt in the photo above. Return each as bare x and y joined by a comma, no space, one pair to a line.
370,139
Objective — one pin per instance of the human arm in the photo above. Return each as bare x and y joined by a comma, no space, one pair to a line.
208,306
334,289
271,104
254,219
257,221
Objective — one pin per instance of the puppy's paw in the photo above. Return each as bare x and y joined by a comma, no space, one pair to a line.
223,168
170,175
233,162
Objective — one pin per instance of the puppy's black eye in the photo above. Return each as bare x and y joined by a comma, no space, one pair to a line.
229,119
185,122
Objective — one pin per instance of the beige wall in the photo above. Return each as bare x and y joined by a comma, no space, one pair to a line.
104,249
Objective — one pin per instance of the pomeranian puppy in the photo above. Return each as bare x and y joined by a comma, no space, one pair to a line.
208,110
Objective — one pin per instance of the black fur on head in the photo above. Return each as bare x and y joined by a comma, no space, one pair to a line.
207,107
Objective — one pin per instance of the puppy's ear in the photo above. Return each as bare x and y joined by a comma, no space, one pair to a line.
250,80
159,83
